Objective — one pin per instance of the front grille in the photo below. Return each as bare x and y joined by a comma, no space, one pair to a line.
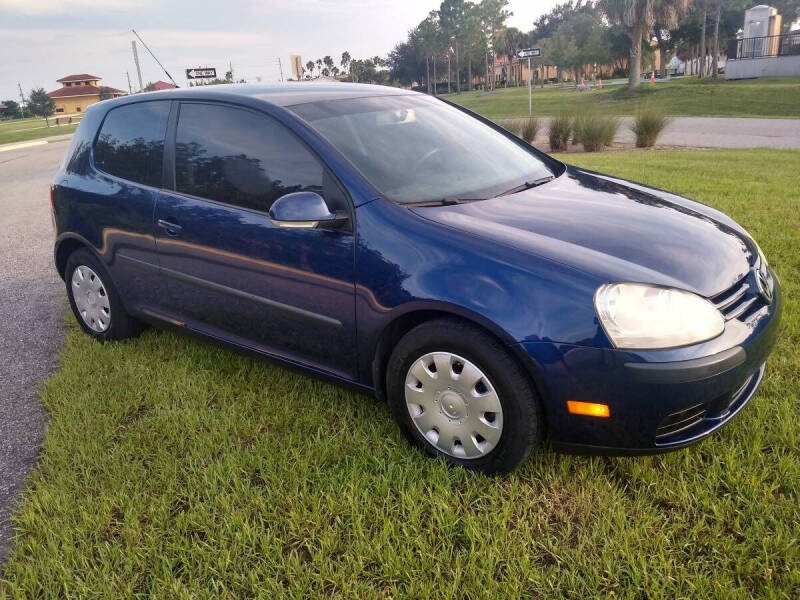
740,301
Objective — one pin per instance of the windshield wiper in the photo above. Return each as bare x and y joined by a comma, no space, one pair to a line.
526,186
442,202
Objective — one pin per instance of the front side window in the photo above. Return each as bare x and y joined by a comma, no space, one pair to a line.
131,142
415,148
240,157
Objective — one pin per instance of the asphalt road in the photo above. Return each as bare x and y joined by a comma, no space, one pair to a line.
31,311
723,132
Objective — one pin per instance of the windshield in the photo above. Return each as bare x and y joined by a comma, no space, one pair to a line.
414,148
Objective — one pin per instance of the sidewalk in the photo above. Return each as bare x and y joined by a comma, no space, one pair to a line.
37,142
715,132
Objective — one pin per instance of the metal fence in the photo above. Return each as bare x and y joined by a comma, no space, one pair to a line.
761,47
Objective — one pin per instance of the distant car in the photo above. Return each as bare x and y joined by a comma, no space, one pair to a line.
392,241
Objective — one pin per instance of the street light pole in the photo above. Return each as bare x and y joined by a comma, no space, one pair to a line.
530,100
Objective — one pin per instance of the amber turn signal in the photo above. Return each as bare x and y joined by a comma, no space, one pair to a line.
591,409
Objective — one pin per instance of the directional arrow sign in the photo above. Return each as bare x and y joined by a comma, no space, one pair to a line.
201,73
529,52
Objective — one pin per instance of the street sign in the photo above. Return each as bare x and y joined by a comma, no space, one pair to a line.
201,73
529,52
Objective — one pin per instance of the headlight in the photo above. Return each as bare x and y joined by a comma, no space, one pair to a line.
637,315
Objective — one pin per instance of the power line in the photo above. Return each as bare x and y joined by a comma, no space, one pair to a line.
154,57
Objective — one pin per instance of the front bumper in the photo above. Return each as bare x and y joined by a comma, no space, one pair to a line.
658,400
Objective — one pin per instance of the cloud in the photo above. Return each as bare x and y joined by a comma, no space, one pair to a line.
52,7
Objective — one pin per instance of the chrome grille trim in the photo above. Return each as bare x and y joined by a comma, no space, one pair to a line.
723,304
740,300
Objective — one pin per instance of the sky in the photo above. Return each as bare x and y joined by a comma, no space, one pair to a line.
43,40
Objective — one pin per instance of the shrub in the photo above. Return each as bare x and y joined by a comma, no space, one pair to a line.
512,125
560,131
649,122
526,128
595,131
530,127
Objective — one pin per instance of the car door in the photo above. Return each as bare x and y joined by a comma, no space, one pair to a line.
117,201
228,271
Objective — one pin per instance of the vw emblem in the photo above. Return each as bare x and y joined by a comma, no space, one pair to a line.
764,282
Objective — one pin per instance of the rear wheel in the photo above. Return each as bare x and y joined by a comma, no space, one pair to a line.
456,392
94,300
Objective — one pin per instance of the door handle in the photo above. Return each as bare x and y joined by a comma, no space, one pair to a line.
168,226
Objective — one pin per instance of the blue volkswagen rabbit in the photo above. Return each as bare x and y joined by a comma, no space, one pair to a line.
494,296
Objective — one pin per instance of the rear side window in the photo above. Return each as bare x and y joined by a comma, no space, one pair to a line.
131,142
240,157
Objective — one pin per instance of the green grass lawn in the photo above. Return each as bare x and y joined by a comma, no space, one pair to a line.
173,468
22,130
768,97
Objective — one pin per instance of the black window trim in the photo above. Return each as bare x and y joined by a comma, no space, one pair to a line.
169,170
93,164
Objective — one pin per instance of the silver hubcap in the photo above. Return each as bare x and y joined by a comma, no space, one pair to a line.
91,299
454,405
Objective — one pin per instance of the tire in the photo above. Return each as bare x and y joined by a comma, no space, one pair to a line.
100,313
449,416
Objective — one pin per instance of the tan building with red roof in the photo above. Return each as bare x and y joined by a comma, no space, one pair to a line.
78,92
159,85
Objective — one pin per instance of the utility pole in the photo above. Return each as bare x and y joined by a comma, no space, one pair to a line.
130,89
21,101
136,61
280,68
230,64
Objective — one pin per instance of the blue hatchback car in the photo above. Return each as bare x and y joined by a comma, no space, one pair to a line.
390,240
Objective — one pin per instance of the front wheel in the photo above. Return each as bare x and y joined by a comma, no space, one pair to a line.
456,392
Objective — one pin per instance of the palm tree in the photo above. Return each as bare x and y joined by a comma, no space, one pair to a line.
310,67
345,62
328,62
637,18
319,65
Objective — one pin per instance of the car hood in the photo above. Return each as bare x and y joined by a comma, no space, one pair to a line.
613,229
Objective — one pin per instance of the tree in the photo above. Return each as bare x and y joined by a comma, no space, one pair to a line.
453,20
11,110
310,68
560,50
40,103
493,15
345,61
405,66
328,63
638,17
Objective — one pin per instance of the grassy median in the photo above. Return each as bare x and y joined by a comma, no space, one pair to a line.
689,97
173,468
22,130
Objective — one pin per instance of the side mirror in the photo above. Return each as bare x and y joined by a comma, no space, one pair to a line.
302,210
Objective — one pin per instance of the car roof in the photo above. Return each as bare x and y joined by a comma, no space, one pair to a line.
279,94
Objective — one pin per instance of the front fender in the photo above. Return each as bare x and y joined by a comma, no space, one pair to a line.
405,264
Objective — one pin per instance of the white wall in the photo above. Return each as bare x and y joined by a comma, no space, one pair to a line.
772,66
